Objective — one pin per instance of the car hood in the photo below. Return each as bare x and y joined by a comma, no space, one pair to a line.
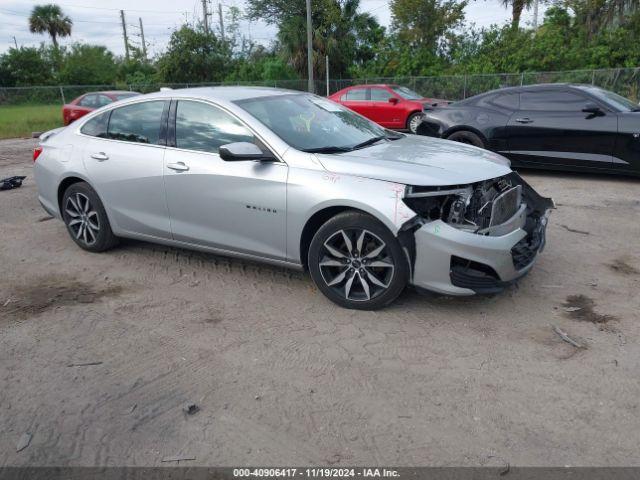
418,160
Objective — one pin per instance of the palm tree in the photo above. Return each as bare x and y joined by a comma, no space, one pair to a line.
517,6
50,19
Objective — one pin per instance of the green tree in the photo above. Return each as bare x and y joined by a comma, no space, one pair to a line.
88,65
25,66
194,56
50,19
340,31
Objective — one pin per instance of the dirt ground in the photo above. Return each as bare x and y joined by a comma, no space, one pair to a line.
100,352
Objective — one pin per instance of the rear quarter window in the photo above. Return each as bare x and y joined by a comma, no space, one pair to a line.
97,126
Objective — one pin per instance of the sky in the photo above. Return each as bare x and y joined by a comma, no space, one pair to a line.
98,22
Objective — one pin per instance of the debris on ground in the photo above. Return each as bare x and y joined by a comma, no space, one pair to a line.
86,364
10,183
573,230
581,307
130,410
190,408
45,219
620,265
23,442
177,459
567,338
7,302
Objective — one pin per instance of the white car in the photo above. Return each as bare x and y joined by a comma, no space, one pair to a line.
293,179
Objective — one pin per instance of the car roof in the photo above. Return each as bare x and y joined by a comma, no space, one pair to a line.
112,92
230,94
537,86
367,85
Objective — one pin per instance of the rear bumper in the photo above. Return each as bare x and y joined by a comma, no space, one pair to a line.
455,262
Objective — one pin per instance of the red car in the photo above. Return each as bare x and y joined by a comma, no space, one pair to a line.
392,106
90,101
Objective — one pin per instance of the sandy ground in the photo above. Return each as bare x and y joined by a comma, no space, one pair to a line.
284,377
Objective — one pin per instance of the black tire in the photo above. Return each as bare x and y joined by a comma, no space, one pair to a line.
86,219
376,278
411,125
467,137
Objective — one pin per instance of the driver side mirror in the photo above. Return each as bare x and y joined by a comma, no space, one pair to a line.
243,151
593,109
393,100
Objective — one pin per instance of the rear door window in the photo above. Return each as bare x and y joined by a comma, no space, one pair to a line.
137,123
89,101
355,95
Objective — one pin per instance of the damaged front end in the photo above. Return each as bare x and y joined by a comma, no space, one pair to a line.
476,238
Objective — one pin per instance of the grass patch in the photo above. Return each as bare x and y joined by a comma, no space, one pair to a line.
20,120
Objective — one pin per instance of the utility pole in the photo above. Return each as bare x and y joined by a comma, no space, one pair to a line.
124,34
221,21
309,48
206,16
144,45
535,14
326,67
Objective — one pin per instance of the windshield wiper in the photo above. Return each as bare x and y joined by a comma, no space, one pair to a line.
327,149
372,140
395,136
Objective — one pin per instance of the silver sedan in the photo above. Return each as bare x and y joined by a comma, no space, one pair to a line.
296,180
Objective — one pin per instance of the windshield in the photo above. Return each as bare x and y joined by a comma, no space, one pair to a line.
311,123
615,101
406,93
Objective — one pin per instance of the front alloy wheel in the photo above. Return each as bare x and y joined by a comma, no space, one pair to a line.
357,262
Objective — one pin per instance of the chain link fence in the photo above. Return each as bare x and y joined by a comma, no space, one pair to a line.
624,81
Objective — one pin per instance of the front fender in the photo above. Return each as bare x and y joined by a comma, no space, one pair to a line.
310,191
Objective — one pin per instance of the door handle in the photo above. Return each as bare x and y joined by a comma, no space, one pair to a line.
178,166
524,120
101,156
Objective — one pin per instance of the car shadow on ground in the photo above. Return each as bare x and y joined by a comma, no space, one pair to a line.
410,297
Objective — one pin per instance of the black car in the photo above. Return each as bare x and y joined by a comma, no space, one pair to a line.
553,126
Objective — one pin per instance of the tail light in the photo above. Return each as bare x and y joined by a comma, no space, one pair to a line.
36,152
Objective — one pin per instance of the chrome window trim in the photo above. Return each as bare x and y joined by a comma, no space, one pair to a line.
110,107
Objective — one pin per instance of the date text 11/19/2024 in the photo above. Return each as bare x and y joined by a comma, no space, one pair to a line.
315,472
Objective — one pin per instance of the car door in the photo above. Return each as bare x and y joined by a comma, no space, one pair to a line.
551,128
123,157
387,113
357,99
236,206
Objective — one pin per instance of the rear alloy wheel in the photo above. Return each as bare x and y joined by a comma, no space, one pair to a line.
357,262
414,121
469,138
86,219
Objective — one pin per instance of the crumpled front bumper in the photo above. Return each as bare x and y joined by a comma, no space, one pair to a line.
452,261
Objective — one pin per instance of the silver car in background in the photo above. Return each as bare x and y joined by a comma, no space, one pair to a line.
296,180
